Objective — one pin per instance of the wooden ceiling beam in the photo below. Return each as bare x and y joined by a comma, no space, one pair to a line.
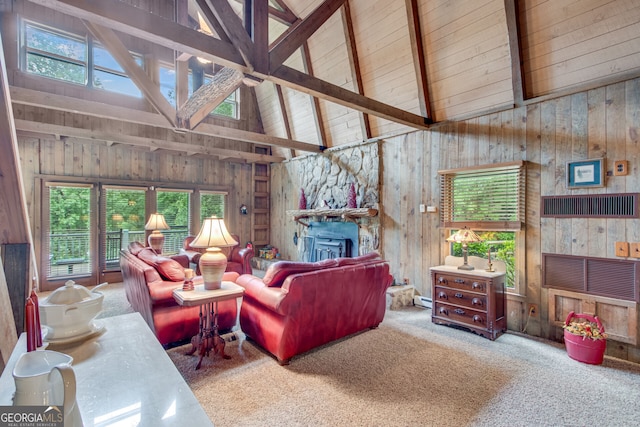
119,16
259,27
302,82
513,34
354,66
301,32
285,117
151,143
208,97
121,54
233,28
113,112
212,21
284,16
419,59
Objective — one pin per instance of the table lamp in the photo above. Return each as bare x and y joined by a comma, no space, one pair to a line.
156,238
213,235
464,236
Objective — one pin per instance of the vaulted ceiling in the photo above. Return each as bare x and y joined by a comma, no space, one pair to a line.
331,72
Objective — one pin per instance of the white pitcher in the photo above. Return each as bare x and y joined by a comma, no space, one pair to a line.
45,377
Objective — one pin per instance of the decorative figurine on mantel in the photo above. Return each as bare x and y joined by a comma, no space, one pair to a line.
351,197
302,204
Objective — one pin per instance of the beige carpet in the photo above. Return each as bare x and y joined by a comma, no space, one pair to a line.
410,372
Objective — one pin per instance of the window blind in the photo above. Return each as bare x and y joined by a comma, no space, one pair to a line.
483,198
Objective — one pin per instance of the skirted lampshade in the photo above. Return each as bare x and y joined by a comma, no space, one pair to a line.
464,236
156,238
213,235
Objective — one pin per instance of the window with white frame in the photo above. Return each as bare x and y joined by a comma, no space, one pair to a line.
109,75
59,55
491,201
54,54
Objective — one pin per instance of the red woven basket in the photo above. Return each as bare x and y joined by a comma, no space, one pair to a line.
583,349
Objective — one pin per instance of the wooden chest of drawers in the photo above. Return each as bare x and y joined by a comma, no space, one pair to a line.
472,299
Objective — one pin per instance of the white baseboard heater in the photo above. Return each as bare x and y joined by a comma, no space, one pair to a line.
422,301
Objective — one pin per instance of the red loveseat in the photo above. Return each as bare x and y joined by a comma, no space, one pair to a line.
238,258
298,306
149,281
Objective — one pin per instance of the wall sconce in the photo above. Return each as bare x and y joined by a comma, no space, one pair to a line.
243,209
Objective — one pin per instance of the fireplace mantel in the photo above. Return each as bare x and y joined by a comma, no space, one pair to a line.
345,213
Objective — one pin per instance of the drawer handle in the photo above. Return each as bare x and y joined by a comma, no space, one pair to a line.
459,311
459,295
442,295
459,280
442,280
477,319
477,285
476,301
443,311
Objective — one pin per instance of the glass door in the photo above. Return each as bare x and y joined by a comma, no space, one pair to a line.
124,219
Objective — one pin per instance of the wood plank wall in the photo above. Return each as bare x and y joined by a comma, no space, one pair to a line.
603,122
565,44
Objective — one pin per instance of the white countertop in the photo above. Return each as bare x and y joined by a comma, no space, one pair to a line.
123,377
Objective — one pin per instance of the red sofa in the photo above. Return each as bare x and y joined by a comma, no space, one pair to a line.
238,258
299,306
149,281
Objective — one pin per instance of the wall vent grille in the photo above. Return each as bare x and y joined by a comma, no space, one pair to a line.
596,276
591,206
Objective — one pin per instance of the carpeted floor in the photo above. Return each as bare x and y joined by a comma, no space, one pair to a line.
410,372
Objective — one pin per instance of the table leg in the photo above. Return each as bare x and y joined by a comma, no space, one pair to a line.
208,338
197,339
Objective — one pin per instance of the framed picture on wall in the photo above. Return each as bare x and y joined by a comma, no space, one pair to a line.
585,173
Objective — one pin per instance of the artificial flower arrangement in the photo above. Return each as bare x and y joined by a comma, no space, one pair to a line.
587,329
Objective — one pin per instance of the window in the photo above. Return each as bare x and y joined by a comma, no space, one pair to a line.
489,198
168,83
109,75
54,54
124,221
63,56
67,225
174,205
211,204
491,201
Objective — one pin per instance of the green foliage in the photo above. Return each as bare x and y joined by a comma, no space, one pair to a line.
125,210
225,109
502,245
174,206
69,209
211,204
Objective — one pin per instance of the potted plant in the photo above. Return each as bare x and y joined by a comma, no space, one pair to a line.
585,339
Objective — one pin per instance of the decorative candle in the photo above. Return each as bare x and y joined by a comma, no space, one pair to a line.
489,254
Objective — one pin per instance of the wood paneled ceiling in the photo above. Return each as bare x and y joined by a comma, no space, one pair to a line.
331,72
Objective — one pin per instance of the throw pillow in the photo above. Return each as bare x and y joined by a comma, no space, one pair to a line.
359,259
135,248
278,272
168,268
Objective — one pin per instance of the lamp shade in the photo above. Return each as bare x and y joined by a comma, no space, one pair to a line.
464,235
213,234
156,222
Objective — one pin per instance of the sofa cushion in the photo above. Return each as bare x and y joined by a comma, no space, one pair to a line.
168,268
356,260
135,248
278,272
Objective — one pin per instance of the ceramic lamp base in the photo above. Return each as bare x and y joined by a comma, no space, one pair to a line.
156,241
212,266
